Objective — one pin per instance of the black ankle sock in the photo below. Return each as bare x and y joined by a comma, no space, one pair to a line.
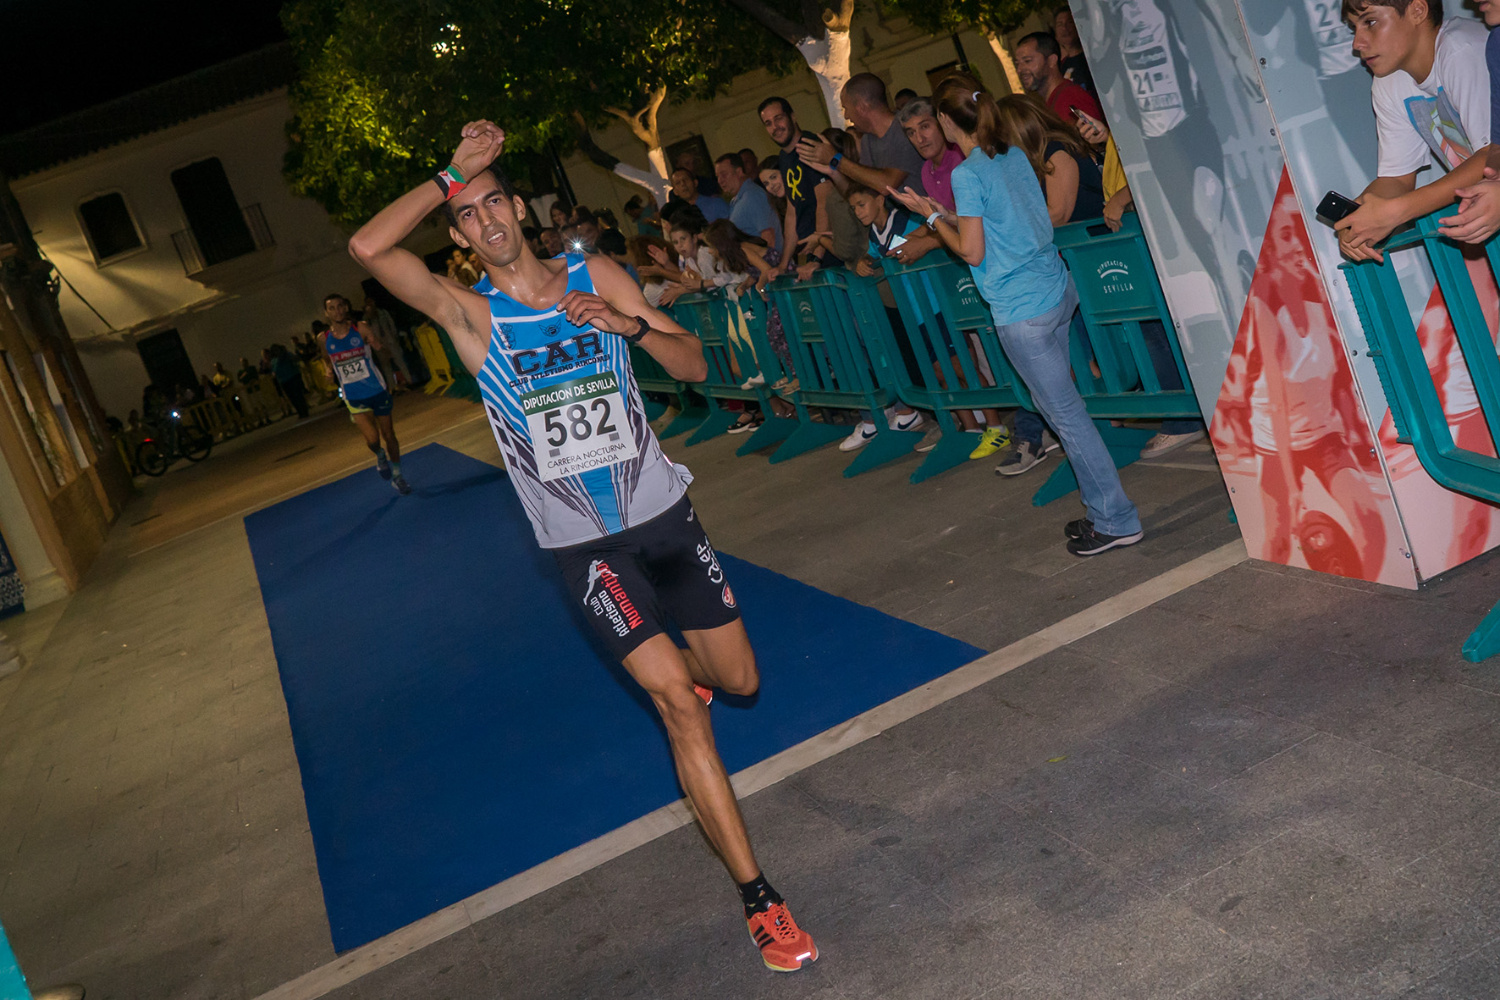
757,895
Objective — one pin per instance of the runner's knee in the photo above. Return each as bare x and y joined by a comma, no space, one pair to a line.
681,710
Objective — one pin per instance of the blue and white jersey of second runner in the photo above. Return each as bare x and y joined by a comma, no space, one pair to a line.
567,415
354,364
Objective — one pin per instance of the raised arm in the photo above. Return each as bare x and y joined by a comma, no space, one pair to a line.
619,306
461,312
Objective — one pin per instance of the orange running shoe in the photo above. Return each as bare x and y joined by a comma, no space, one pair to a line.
783,945
707,694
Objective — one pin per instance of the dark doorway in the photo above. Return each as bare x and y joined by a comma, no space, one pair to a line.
212,211
167,363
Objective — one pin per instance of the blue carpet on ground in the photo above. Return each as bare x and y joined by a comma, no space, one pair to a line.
455,723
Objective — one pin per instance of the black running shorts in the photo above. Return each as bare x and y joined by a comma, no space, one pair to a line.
631,584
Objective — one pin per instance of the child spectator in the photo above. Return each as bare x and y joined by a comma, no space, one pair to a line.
1432,99
888,226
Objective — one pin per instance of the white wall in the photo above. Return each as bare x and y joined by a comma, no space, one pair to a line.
267,296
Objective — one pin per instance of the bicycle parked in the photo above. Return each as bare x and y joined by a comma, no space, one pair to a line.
168,440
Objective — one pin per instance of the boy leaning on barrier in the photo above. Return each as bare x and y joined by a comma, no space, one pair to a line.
1432,98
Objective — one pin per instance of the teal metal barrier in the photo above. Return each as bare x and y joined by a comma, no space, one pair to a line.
1119,298
733,357
12,983
650,376
947,323
838,333
1416,407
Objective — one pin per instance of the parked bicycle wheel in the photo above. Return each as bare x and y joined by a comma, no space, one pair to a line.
195,444
151,458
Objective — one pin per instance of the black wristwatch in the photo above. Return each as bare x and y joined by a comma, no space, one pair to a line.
635,338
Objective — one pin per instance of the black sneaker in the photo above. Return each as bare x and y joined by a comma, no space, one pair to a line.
402,486
1092,542
1078,528
1022,458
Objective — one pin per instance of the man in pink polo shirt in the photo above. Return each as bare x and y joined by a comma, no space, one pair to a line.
940,156
1038,63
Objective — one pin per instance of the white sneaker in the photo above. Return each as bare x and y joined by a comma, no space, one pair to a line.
864,431
1165,444
753,381
906,421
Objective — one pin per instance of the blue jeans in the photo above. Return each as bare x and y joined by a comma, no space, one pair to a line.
1038,350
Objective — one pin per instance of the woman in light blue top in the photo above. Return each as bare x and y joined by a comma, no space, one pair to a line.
1003,231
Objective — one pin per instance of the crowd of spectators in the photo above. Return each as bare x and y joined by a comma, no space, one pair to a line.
835,199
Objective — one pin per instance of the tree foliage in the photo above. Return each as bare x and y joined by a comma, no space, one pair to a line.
385,85
990,16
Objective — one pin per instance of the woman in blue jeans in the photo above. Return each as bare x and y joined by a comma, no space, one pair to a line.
1003,231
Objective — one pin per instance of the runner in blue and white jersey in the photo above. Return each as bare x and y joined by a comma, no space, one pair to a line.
348,351
549,342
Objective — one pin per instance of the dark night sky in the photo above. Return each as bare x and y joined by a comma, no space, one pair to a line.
58,56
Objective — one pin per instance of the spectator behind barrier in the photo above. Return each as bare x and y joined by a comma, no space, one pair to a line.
749,206
939,156
685,190
1445,118
1063,162
653,276
1038,63
770,179
845,236
1071,60
884,225
806,190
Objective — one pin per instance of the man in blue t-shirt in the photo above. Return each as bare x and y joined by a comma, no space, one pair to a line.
685,187
749,205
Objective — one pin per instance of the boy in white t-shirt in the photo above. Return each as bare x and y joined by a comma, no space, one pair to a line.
1432,99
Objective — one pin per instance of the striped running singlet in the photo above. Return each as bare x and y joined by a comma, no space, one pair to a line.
567,415
354,364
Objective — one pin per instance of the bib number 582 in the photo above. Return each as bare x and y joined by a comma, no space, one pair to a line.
574,421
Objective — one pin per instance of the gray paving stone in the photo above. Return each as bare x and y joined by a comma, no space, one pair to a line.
1472,977
1344,923
1164,831
1374,806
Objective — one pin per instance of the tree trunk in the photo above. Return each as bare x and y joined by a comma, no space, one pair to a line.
643,124
828,58
1006,62
825,46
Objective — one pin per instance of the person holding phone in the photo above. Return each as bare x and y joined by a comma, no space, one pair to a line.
1002,231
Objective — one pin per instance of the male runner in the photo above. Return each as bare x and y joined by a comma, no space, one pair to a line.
549,343
348,344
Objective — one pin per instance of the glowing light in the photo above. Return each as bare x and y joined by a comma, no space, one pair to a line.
452,45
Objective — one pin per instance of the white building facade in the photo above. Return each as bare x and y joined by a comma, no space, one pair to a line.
187,227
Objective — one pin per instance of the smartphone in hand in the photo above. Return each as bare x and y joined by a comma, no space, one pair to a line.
1334,207
896,242
1084,118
